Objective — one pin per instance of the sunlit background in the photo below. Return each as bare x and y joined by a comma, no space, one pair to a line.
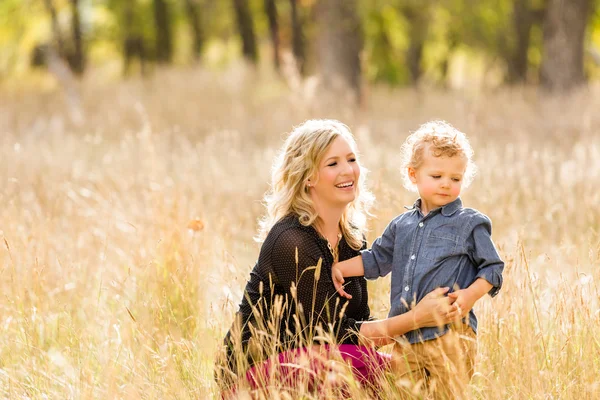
137,141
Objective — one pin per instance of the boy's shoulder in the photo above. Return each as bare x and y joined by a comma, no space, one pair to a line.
472,216
406,214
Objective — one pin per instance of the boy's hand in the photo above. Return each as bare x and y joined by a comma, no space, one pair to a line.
464,300
338,281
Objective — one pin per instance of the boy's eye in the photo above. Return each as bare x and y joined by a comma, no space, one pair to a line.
436,176
456,179
352,160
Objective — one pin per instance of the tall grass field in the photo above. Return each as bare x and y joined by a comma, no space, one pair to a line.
128,211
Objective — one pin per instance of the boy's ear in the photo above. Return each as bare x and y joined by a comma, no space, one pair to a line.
412,175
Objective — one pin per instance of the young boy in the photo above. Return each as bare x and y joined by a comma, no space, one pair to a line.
437,243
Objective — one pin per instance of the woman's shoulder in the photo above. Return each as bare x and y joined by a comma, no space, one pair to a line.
289,230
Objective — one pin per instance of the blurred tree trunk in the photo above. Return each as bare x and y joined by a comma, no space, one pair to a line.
524,18
192,8
271,10
57,36
246,30
522,21
453,43
297,37
564,32
78,57
339,45
418,15
133,42
164,41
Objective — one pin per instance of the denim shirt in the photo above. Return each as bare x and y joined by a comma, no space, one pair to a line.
451,246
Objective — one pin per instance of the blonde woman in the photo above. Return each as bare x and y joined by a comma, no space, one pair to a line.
315,217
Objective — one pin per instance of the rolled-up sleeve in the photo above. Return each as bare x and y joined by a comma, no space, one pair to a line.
377,261
484,253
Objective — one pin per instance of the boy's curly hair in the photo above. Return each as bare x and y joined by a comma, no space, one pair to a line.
442,140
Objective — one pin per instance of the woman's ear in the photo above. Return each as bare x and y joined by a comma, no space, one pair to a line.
312,180
412,175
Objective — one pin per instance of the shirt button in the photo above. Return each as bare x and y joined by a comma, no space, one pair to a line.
406,288
420,224
412,257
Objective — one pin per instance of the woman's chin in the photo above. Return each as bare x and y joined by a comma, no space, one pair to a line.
347,198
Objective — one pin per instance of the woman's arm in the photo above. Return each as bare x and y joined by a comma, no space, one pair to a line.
435,309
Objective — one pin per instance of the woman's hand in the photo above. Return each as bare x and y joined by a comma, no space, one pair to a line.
435,309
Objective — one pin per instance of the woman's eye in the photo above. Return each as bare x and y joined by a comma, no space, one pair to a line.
333,164
436,176
352,160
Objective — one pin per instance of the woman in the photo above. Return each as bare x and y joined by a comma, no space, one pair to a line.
315,216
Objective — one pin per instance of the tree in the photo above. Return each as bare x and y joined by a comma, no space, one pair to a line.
524,17
271,11
418,15
133,42
72,50
297,36
192,7
564,33
246,30
164,41
57,36
339,45
78,57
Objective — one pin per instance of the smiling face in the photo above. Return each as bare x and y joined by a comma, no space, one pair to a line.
336,181
438,179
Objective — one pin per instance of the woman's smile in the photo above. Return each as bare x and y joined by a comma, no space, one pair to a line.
347,186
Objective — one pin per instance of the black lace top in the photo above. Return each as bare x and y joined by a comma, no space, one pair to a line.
287,260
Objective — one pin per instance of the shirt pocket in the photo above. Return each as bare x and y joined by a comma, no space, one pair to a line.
441,243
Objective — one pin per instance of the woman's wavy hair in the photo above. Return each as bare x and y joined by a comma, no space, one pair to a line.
298,161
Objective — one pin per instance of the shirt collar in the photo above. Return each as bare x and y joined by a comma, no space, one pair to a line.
447,210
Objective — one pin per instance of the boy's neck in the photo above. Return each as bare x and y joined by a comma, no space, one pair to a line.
426,208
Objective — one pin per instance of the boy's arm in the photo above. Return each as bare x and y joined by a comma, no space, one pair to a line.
465,299
350,267
484,254
371,263
377,261
489,264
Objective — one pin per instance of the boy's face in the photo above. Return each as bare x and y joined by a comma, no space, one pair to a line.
438,179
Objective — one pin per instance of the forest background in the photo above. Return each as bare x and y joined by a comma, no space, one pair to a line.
137,140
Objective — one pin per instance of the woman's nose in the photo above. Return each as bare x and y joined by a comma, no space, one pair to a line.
348,170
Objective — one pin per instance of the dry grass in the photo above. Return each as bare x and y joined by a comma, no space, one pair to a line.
106,293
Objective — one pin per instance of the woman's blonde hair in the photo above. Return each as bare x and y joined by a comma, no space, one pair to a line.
297,162
442,140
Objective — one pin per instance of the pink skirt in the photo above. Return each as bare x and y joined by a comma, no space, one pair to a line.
313,368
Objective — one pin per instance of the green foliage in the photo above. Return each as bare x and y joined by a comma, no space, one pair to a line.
21,27
485,28
384,45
